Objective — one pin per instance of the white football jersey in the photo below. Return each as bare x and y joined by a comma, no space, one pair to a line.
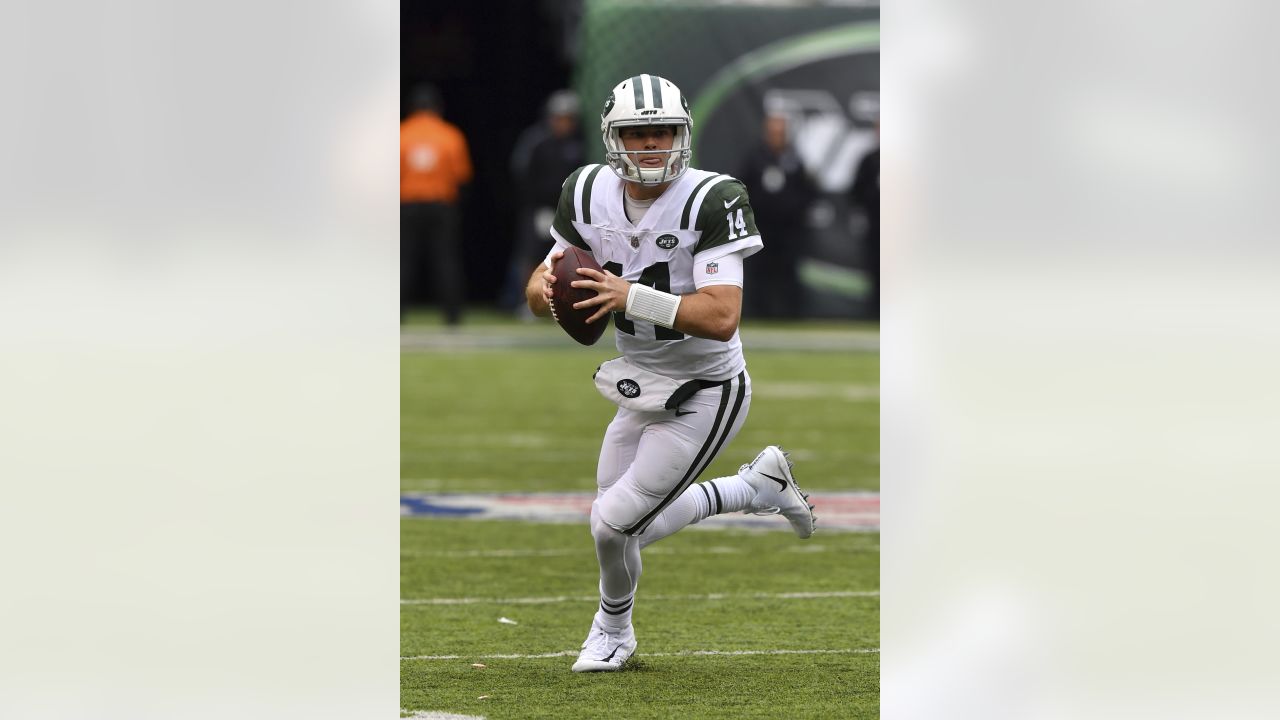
701,217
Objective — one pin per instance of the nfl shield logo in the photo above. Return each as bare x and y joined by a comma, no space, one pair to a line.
635,241
713,268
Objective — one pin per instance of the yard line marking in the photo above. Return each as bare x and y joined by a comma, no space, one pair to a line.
588,551
596,598
680,653
849,392
507,553
432,715
417,339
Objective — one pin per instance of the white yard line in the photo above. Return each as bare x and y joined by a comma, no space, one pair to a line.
588,551
505,337
813,390
681,653
501,553
432,715
595,598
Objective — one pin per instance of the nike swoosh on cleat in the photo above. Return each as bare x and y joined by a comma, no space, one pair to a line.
728,204
615,652
780,481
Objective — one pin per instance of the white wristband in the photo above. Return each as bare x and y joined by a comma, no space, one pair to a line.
655,306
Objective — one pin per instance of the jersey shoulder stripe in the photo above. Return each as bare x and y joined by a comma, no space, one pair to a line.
724,190
724,215
579,186
587,182
687,218
728,188
566,211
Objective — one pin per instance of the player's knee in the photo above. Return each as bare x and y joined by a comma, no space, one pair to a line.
618,510
606,536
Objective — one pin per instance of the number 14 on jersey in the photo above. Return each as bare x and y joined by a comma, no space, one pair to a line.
738,223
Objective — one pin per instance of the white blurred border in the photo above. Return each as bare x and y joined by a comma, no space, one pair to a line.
1079,349
199,423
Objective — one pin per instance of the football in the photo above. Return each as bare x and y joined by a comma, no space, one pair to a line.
564,295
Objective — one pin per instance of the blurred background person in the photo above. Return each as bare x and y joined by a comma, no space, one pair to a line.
545,154
434,164
866,195
781,192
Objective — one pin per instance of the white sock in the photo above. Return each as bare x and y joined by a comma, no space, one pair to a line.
614,614
697,503
726,494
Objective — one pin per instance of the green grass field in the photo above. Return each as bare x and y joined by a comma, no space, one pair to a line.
717,610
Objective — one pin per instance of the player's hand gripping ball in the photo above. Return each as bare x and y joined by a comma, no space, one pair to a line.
564,295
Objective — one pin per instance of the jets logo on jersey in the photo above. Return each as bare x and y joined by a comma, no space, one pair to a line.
629,388
713,268
666,242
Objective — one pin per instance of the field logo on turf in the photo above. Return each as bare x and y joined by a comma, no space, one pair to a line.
856,511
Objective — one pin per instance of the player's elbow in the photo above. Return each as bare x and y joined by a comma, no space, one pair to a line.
724,326
718,311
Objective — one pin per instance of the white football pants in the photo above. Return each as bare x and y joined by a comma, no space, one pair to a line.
648,459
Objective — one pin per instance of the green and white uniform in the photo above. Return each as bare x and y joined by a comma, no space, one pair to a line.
701,225
695,234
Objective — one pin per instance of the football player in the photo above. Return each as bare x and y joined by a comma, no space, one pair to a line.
672,240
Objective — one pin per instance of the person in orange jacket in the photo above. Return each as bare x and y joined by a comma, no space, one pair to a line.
434,164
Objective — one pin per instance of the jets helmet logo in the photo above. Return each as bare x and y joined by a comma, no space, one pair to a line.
629,388
608,105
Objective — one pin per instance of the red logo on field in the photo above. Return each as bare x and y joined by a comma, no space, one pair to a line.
713,268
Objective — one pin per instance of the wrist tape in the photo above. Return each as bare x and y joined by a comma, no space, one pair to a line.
655,306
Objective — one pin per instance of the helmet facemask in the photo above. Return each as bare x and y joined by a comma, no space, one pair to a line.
622,162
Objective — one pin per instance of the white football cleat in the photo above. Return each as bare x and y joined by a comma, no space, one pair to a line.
777,491
604,651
